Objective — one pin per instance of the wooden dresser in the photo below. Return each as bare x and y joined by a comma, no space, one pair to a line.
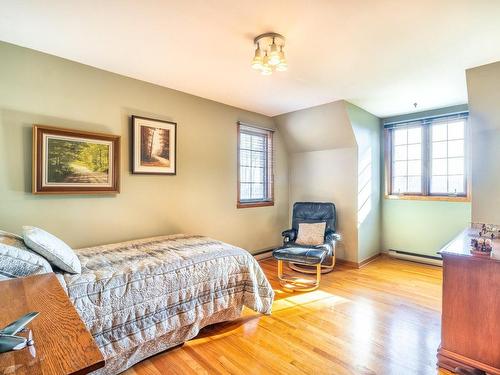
62,343
470,331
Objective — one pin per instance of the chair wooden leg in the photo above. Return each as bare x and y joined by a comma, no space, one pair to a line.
296,283
318,273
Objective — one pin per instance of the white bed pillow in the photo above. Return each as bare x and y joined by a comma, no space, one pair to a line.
311,234
16,260
52,248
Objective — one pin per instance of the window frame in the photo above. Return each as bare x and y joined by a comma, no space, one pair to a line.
426,125
269,169
422,159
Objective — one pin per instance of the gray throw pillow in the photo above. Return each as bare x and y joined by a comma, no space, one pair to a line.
53,249
16,260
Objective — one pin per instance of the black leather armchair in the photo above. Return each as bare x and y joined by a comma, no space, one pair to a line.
306,258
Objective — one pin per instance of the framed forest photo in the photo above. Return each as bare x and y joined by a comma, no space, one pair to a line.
154,149
74,162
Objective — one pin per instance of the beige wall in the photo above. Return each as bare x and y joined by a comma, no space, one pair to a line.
483,85
324,127
323,162
329,176
43,89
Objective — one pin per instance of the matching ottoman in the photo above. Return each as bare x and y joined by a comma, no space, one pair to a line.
301,255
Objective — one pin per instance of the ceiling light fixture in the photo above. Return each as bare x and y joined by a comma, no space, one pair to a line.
269,55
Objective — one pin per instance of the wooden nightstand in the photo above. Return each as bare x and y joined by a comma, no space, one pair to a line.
63,344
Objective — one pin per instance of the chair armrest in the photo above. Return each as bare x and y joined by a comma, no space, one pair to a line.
289,235
331,236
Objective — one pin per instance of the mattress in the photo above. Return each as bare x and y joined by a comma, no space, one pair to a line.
140,297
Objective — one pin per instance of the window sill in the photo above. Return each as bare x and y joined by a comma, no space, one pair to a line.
428,198
254,204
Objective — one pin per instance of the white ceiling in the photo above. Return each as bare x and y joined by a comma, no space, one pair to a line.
381,55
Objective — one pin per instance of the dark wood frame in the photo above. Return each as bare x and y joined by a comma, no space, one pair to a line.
133,138
425,195
270,166
37,168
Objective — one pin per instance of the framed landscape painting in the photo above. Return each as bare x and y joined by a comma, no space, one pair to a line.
74,162
154,149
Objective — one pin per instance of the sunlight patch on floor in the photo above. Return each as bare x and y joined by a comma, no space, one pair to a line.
317,299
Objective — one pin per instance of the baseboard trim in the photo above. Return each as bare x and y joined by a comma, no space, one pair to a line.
369,260
347,263
357,265
263,254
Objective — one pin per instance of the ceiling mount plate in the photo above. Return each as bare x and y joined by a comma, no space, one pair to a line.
278,38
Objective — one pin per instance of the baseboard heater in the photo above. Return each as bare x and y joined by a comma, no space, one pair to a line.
428,259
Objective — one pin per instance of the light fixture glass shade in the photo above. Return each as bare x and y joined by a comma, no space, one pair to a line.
282,66
266,70
257,60
274,55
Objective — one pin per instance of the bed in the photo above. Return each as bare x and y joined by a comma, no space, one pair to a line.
141,297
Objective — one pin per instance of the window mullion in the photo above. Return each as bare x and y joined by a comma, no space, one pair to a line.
426,159
266,170
407,177
391,158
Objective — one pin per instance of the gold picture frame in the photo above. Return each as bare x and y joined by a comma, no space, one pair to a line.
69,161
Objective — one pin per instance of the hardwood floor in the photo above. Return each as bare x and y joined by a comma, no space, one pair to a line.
381,319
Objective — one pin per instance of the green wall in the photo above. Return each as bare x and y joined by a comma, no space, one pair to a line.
366,128
422,227
36,88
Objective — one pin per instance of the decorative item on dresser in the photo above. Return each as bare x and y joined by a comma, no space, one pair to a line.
62,344
154,146
66,161
470,329
9,338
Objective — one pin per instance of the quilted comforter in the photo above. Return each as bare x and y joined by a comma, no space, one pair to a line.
141,297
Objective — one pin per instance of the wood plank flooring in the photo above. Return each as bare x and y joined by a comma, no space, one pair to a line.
381,319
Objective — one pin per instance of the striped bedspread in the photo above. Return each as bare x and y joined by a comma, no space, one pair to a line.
138,298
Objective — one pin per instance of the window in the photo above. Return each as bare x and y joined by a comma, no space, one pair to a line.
448,158
427,157
255,166
407,160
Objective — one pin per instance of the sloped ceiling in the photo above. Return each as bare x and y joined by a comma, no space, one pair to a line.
382,55
323,127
